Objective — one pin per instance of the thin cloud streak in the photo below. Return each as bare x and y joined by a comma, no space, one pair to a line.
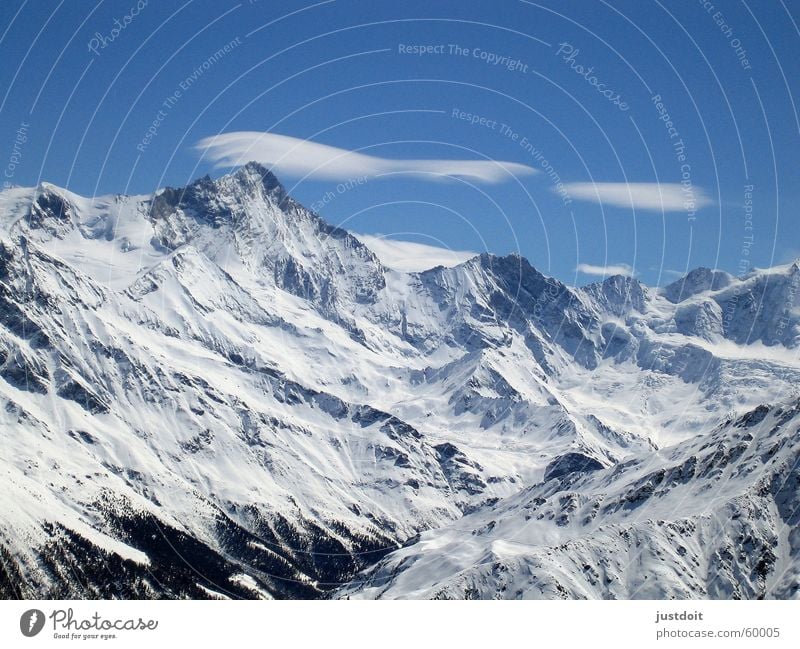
667,197
412,257
605,271
297,158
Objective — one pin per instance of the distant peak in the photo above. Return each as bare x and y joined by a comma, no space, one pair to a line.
48,190
252,179
255,171
696,281
512,261
255,167
618,279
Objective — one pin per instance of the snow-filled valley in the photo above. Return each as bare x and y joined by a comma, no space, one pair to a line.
211,392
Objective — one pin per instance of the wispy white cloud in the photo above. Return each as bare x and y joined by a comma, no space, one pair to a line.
605,271
297,158
667,197
411,257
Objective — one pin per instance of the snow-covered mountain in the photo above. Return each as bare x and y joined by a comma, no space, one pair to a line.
717,516
211,392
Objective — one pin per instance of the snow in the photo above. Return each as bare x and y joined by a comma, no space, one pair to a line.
248,582
220,349
602,535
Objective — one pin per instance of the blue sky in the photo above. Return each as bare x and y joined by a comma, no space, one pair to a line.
566,88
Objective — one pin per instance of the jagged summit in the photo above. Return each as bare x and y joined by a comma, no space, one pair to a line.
697,281
214,200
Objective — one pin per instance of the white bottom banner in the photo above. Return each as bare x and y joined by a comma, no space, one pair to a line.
406,624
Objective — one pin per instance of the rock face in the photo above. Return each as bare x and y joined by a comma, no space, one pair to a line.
570,463
211,392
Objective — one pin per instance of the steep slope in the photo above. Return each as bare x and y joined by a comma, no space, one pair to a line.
114,412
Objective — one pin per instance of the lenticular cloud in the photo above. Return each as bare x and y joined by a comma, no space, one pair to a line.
658,197
298,158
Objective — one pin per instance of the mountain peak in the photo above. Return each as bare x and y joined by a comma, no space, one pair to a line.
512,262
696,281
256,172
214,201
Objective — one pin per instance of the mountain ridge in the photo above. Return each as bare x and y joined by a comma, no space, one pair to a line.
219,363
255,169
